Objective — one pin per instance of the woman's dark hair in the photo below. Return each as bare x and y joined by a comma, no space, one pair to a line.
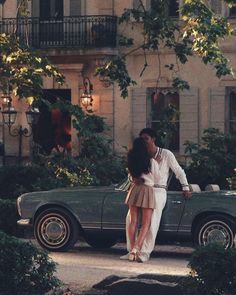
138,158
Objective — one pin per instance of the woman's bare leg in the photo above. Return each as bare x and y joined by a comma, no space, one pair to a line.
133,225
146,222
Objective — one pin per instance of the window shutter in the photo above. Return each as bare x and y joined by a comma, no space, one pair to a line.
139,110
217,108
189,117
216,6
136,4
75,7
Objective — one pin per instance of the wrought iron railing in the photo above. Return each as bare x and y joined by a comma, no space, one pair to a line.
69,32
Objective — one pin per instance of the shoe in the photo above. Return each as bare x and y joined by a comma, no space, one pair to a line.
125,257
134,254
142,257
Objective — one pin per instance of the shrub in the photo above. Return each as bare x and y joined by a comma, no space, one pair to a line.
8,217
24,269
213,271
98,156
232,181
68,171
21,179
214,160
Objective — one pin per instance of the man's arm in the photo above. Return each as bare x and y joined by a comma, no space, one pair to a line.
187,194
180,174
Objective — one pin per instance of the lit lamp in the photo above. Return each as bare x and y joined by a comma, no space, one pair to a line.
32,115
8,113
9,117
86,97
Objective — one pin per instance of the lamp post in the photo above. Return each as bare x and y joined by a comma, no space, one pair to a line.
86,96
9,117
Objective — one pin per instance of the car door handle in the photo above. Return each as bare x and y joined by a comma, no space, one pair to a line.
176,202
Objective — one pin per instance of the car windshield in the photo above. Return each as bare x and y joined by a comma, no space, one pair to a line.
123,185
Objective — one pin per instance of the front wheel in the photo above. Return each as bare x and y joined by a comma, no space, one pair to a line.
215,229
56,230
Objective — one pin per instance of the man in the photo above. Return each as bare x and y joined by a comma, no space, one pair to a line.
167,162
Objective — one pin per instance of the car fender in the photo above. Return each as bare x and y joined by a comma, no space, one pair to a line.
55,204
203,214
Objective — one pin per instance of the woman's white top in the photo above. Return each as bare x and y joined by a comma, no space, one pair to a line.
152,177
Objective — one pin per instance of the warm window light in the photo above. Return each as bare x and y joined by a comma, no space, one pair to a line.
86,97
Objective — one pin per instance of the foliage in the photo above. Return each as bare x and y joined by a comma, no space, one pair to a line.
24,269
115,70
213,271
232,181
8,217
22,69
198,33
68,171
86,124
214,160
102,162
97,163
21,179
98,166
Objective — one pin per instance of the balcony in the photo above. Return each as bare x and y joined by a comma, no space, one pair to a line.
69,32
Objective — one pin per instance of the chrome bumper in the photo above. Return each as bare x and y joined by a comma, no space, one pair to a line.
24,222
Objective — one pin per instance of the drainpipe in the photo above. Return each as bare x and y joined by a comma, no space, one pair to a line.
113,7
1,11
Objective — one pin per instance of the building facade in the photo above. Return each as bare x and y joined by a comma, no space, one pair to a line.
77,35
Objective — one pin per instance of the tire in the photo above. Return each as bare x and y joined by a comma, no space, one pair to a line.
56,230
101,242
215,229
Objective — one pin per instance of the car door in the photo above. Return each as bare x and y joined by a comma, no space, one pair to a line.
114,210
173,212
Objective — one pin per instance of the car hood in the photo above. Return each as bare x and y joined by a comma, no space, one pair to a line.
72,189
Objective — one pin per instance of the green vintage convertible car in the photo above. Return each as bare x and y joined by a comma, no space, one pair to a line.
60,216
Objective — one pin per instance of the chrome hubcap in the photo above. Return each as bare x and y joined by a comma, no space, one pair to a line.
217,233
54,230
217,236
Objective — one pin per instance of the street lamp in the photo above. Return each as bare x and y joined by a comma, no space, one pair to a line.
86,96
9,117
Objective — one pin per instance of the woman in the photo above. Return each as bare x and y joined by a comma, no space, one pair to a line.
140,196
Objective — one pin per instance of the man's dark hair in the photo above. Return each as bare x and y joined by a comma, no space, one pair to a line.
149,131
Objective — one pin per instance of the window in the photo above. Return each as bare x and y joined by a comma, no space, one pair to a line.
51,9
232,111
232,12
51,25
172,7
163,109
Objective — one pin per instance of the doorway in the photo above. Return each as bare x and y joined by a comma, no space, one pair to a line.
53,130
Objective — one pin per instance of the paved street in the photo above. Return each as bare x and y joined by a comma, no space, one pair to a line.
84,266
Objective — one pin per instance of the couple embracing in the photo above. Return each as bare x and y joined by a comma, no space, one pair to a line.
149,167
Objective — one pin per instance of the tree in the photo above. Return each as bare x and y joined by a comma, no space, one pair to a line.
22,69
198,32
